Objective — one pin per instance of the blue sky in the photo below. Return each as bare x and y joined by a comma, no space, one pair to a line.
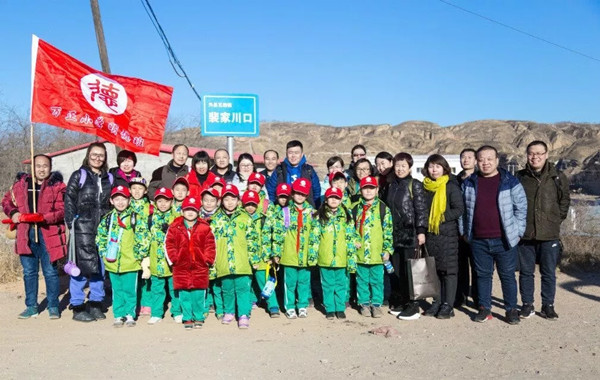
334,62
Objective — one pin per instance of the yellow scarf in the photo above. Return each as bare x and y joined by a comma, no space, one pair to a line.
438,205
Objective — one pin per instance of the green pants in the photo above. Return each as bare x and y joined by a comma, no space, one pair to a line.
159,294
369,284
192,303
236,290
335,288
144,292
214,297
296,278
124,290
272,303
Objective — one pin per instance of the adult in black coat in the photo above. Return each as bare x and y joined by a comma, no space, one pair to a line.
445,204
404,196
86,201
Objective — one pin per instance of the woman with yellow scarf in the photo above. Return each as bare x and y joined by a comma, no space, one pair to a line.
445,204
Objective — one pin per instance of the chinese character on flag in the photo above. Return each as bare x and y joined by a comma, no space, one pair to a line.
69,94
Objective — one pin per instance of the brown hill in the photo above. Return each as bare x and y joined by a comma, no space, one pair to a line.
573,142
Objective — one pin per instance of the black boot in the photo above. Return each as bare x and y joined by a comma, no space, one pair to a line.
81,315
96,310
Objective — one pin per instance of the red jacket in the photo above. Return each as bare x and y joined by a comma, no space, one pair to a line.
50,204
195,187
191,259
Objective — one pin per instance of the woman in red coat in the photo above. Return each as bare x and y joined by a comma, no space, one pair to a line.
199,177
51,242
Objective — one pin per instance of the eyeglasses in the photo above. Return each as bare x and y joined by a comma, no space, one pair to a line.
363,170
97,156
359,154
535,154
246,165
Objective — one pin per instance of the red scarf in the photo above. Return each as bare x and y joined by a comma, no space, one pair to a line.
364,216
300,220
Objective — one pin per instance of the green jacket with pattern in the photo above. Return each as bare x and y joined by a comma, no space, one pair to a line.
376,239
285,240
131,234
335,241
142,207
238,245
160,222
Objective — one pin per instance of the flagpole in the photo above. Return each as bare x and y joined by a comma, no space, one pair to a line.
35,226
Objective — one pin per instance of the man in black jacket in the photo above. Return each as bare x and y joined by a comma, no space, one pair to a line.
547,206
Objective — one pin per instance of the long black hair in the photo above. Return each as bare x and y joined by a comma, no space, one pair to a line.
323,215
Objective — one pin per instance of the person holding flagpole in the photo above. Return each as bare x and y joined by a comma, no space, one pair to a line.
86,201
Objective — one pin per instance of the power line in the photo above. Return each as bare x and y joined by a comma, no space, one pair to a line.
520,31
175,63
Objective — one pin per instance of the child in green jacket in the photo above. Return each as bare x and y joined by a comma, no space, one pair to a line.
122,243
292,249
376,247
143,209
335,239
160,270
214,296
238,253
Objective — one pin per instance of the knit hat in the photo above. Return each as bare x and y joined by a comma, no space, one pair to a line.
190,203
368,182
138,181
181,180
256,178
120,190
164,193
250,197
283,190
230,190
334,192
336,174
301,186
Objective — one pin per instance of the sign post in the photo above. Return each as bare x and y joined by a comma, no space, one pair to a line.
230,115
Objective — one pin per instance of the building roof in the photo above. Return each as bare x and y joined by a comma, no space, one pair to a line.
164,148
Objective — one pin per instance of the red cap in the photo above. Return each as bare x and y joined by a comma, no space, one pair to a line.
283,189
120,190
190,202
334,192
218,181
368,182
181,180
336,174
231,190
250,197
211,191
301,186
257,178
163,192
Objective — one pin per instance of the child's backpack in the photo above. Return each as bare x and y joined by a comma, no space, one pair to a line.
83,177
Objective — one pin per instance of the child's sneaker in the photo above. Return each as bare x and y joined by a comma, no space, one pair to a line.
302,313
254,306
227,319
274,313
145,311
211,309
198,324
29,312
219,317
53,313
365,311
188,325
376,312
291,314
154,320
129,321
330,316
178,318
118,322
244,322
340,315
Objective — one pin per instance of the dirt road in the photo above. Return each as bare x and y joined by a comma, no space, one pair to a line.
313,347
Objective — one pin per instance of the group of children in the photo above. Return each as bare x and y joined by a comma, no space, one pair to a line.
223,250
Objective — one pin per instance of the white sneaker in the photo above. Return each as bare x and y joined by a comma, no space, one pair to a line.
291,314
178,318
118,322
129,321
154,320
302,313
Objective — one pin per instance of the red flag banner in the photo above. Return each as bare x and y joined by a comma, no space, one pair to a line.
66,93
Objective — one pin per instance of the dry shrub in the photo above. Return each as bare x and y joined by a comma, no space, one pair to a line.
10,266
581,238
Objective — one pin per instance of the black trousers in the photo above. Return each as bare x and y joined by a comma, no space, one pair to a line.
448,282
395,289
467,276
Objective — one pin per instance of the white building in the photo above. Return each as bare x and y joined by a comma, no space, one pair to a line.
419,164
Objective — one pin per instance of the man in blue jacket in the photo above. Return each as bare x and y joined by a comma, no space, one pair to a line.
294,166
494,222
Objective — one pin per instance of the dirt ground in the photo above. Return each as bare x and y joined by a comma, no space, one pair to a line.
312,347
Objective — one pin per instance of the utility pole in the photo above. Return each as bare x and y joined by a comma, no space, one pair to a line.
100,36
